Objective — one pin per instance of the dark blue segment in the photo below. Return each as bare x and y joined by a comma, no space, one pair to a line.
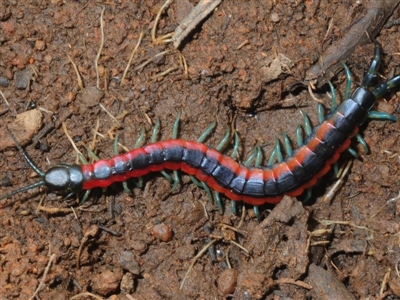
302,175
312,163
343,124
352,110
208,165
119,166
173,154
324,150
364,98
223,175
140,162
102,172
254,187
271,188
287,182
192,157
335,139
156,156
237,184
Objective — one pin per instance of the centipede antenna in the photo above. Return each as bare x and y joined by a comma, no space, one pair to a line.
31,164
25,155
23,189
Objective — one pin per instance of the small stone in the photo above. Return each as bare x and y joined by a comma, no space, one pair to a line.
106,283
24,127
23,78
48,58
227,281
40,45
67,242
4,81
127,284
275,18
128,262
90,96
162,232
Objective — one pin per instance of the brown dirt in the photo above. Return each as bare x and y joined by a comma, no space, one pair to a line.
122,252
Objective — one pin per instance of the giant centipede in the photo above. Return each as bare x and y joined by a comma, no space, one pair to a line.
255,186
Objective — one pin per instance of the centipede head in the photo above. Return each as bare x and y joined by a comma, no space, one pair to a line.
62,178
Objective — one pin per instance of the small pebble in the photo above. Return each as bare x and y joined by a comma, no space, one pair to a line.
227,281
40,45
22,79
162,232
4,81
127,284
67,242
275,18
106,283
90,96
128,262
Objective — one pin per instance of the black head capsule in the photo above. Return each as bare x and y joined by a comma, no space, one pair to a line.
64,178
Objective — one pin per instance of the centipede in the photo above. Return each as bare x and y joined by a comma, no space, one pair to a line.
257,185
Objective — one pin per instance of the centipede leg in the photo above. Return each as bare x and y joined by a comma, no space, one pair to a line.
235,152
224,141
353,152
91,153
335,169
218,201
349,81
279,155
206,132
84,198
299,136
251,157
204,186
288,145
321,113
306,196
307,123
333,96
272,158
379,115
363,143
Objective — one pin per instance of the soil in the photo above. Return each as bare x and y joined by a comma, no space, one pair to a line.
247,65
